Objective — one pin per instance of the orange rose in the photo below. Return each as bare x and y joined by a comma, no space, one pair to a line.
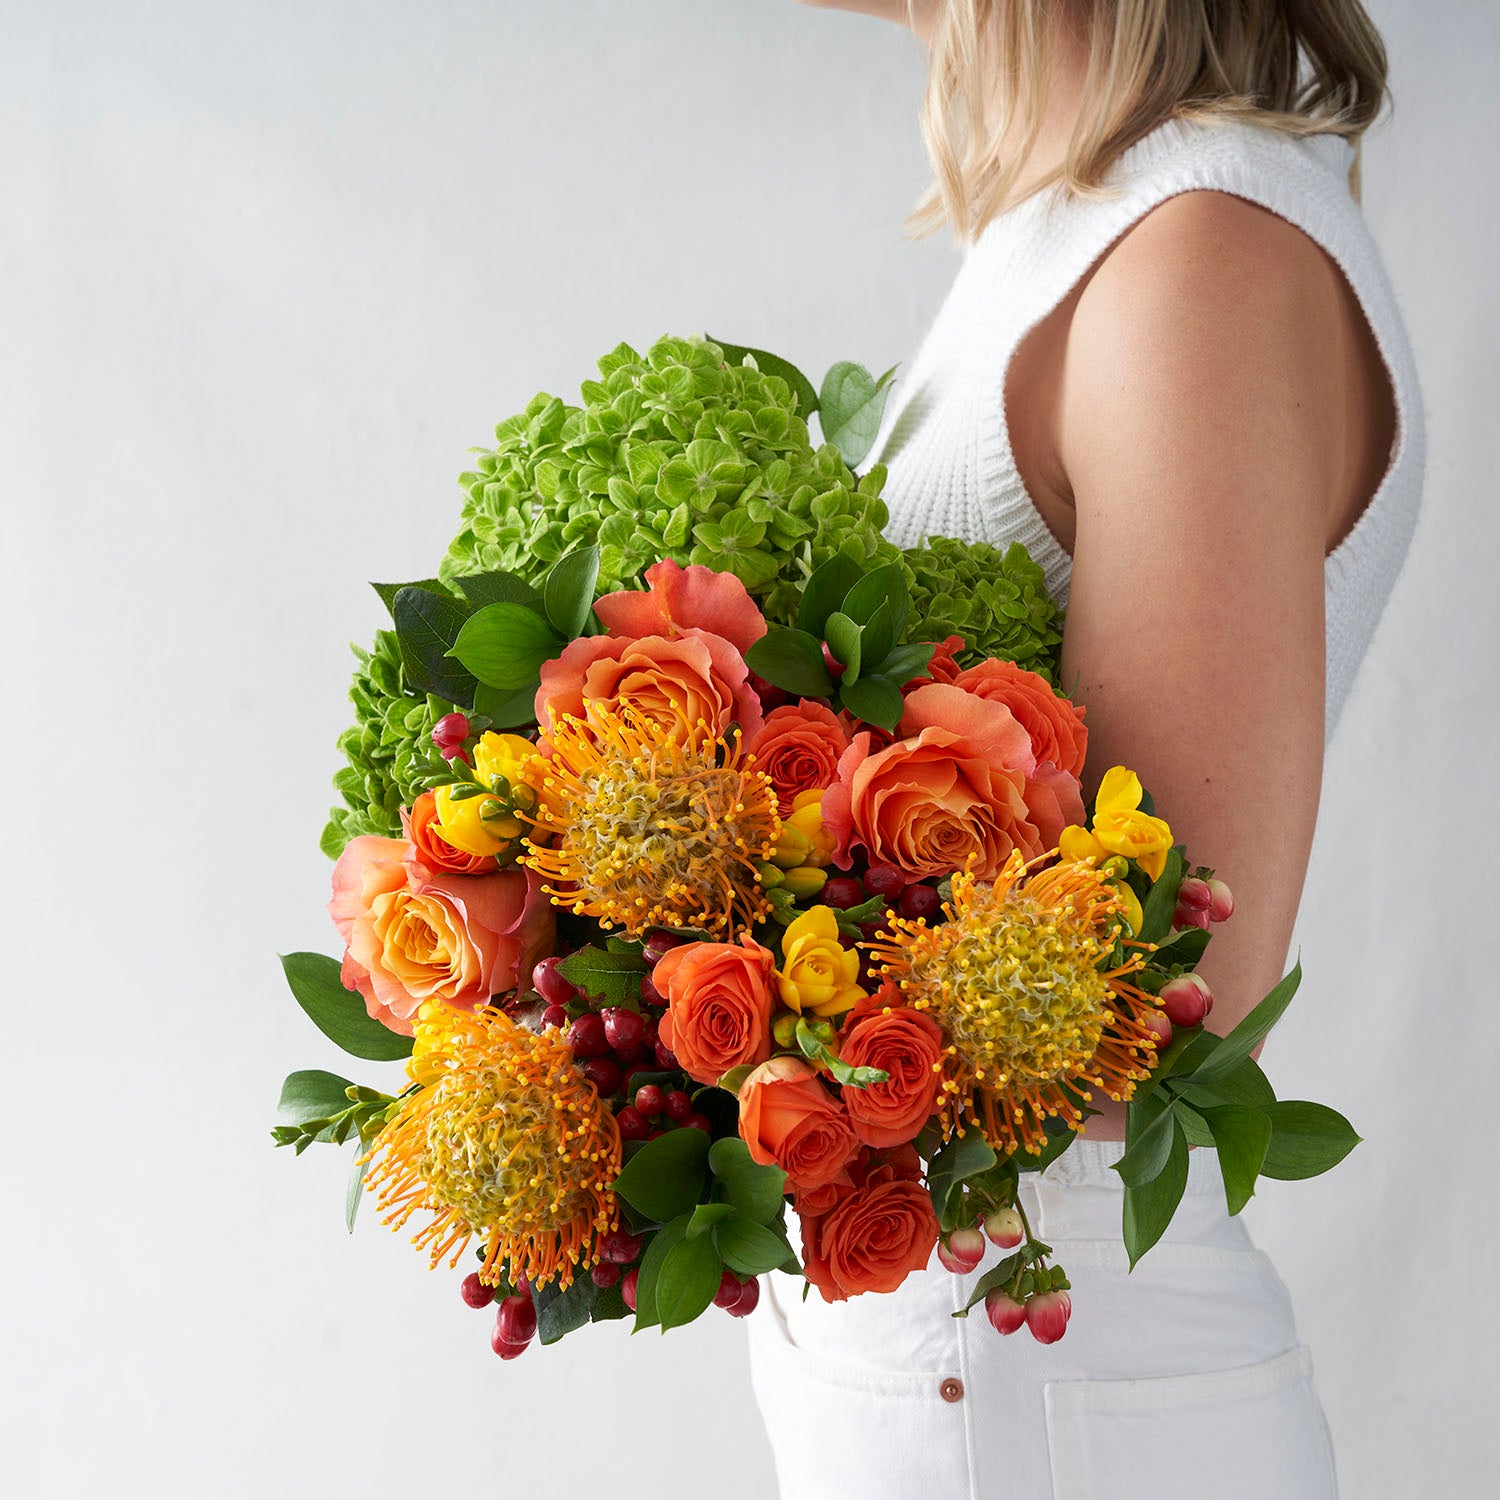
719,1006
409,938
952,790
880,1231
431,854
880,1032
788,1119
678,598
673,680
799,747
1055,725
944,665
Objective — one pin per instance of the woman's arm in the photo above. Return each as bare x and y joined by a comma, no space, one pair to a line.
1201,425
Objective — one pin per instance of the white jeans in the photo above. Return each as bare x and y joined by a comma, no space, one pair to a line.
1179,1380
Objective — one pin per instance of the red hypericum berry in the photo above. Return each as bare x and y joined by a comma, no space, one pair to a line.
649,1099
962,1251
919,901
1194,894
449,734
1187,916
697,1121
1003,1311
769,694
649,992
747,1301
633,1124
586,1036
872,932
503,1346
659,944
1156,1022
605,1274
835,666
885,880
475,1292
1186,1000
633,1075
516,1320
678,1105
1004,1228
627,1288
843,891
665,1057
623,1029
1047,1316
523,1286
1221,907
730,1287
620,1247
551,985
604,1074
554,1015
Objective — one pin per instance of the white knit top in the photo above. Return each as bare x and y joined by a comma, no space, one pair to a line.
945,440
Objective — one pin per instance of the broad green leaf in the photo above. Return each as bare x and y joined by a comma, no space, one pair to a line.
792,660
850,405
843,640
1306,1140
875,700
667,1238
1241,1135
879,636
614,977
427,625
996,1276
1251,1032
825,590
560,1311
751,1249
687,1281
905,662
756,1191
1149,1208
885,585
355,1190
959,1159
312,1094
774,364
498,588
1161,900
1150,1132
665,1178
507,710
1246,1085
1185,949
388,591
705,1216
505,645
568,590
338,1013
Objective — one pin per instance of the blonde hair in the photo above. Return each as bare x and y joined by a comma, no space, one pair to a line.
1306,67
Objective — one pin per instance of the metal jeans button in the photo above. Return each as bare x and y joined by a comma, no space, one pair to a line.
951,1389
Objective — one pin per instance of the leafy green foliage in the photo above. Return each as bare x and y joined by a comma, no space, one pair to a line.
850,405
338,1013
666,1177
320,1106
611,976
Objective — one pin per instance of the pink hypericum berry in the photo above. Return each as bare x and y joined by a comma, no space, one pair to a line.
697,1121
634,1126
769,694
604,1074
1186,1000
1187,916
1004,1228
918,901
678,1104
1047,1316
1156,1022
843,891
650,993
475,1292
1194,894
649,1099
747,1301
1221,907
665,1057
503,1346
516,1320
884,880
551,985
449,734
730,1287
623,1028
627,1288
586,1036
962,1251
620,1247
605,1274
1003,1311
554,1015
659,944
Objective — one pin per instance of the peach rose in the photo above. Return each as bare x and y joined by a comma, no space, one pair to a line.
409,938
1053,801
678,599
1054,723
790,1120
881,1032
944,664
881,1230
799,747
953,789
673,680
719,1006
430,853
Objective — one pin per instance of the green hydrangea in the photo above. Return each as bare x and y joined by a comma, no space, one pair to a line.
672,454
388,748
997,600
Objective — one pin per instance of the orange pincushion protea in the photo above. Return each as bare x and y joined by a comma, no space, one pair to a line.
503,1138
645,830
1014,979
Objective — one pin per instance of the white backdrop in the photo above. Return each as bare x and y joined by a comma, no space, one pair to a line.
267,270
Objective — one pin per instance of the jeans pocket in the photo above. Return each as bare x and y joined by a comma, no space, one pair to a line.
1241,1434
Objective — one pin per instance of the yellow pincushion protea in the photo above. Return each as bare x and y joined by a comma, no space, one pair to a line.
503,1139
1014,978
650,831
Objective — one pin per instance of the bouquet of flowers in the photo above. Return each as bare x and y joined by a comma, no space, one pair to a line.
712,864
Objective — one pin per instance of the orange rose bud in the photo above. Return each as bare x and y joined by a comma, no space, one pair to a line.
719,1006
432,850
789,1120
908,1046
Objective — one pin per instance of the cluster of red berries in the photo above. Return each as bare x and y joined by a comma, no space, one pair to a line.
449,735
1187,999
1200,902
1040,1299
515,1318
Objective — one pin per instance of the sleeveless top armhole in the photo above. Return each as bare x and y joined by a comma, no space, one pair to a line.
946,440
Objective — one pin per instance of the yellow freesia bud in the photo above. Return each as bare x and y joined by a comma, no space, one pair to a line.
511,757
489,822
807,817
1123,829
818,975
462,821
793,848
805,880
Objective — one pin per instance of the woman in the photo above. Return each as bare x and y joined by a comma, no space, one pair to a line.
1171,366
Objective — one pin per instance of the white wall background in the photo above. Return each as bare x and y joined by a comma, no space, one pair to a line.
267,270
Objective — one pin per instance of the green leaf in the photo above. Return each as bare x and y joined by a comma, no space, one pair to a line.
793,660
505,645
1241,1135
665,1178
312,1094
879,636
850,405
749,1248
688,1279
1306,1140
774,364
825,590
1059,1138
883,586
1251,1032
559,1312
961,1158
663,1242
875,700
1187,948
355,1190
843,640
1149,1208
611,976
388,591
905,662
996,1276
427,625
1151,1129
568,590
1161,900
507,710
498,588
705,1216
338,1013
757,1192
1246,1085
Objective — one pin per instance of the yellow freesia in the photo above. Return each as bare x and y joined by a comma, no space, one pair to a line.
487,823
818,975
1120,827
